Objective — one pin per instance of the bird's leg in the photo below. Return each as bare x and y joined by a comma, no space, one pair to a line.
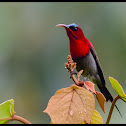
87,77
71,73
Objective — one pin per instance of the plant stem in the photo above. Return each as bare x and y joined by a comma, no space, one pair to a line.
15,117
71,65
74,79
111,109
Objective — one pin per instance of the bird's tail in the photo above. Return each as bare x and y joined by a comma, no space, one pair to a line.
107,95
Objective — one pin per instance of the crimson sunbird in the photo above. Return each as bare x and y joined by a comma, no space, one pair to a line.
84,54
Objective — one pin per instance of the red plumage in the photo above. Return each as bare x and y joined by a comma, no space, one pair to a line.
78,47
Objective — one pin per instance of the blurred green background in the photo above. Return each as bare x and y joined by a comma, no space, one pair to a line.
33,51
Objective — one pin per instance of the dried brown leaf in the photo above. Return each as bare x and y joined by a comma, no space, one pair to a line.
101,100
71,105
90,86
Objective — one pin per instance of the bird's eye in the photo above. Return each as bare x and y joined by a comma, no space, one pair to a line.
73,28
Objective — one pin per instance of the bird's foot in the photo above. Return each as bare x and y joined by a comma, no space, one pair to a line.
71,73
80,83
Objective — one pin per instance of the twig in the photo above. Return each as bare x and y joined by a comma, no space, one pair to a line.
70,65
15,117
111,109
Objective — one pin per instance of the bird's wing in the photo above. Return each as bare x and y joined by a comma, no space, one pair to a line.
93,52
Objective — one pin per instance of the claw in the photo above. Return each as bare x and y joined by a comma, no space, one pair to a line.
71,73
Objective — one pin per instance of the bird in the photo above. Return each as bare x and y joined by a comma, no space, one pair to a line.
83,53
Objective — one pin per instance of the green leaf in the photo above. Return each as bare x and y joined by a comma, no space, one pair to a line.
96,118
118,88
6,110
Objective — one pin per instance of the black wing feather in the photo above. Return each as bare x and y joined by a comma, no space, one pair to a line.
100,73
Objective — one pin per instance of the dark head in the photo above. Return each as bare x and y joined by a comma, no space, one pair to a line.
74,32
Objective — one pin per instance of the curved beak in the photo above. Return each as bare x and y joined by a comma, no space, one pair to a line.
67,29
62,25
